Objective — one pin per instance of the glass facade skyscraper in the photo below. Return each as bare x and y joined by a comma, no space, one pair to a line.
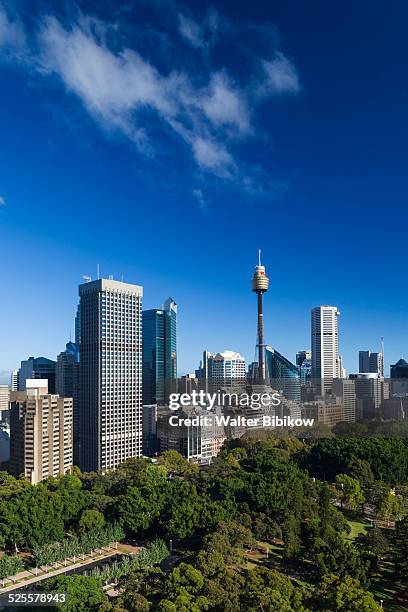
284,376
159,352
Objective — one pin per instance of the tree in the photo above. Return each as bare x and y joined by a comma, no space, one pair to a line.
350,492
344,595
184,590
133,511
291,537
31,517
269,590
400,541
185,575
336,556
223,590
84,593
390,507
360,470
91,519
176,463
374,544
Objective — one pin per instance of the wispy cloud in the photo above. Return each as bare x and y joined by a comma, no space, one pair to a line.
121,86
199,196
12,36
2,201
203,34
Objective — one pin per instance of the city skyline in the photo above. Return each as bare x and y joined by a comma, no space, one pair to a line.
6,376
319,161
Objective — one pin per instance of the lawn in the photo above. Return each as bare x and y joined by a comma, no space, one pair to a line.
357,528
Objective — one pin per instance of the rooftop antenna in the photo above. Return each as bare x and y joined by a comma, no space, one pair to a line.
382,353
97,271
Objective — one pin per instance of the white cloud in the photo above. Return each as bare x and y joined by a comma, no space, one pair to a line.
281,76
212,156
114,87
224,104
125,91
2,201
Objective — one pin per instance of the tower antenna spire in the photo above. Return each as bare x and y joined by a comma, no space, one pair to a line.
259,257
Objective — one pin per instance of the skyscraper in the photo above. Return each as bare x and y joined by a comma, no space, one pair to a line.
41,432
159,352
345,393
284,376
67,385
301,356
326,363
37,368
110,407
370,363
14,380
226,369
78,326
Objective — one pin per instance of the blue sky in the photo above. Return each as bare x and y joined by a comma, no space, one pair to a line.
168,141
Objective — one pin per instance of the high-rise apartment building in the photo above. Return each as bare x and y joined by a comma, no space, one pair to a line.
14,380
110,405
370,363
40,432
326,363
4,399
226,369
159,352
38,368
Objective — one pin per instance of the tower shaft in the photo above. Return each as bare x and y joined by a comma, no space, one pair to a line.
261,356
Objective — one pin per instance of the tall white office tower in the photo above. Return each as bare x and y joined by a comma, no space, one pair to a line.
14,380
110,406
326,363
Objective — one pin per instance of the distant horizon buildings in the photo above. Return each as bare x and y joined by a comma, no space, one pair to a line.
110,398
159,327
326,362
